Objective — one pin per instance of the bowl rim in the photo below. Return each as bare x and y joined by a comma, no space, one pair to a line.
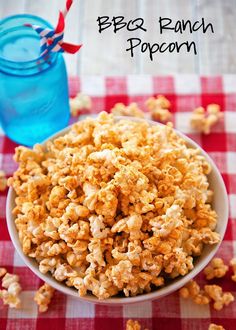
160,292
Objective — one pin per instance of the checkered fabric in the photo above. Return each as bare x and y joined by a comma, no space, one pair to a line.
171,312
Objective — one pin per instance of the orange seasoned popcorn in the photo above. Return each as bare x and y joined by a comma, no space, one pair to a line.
159,108
3,271
43,297
213,326
216,268
219,297
131,110
11,295
202,120
233,264
192,290
133,325
114,206
78,103
3,180
210,293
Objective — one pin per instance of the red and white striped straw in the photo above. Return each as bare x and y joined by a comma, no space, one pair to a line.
52,40
68,5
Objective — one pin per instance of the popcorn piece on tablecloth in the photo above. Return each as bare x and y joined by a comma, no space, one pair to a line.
3,180
216,268
159,107
219,297
9,279
214,326
43,297
133,325
233,264
131,110
198,119
78,103
192,290
11,295
3,271
202,120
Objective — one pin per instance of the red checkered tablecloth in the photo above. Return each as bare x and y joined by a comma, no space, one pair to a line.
171,312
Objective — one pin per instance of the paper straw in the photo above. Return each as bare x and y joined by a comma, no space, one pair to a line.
68,5
52,40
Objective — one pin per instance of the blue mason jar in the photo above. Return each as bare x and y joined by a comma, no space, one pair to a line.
34,101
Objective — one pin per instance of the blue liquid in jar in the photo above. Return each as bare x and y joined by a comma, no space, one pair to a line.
33,90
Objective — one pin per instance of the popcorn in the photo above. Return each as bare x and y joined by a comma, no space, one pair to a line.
78,103
163,225
121,273
43,297
233,264
9,279
3,271
63,272
102,288
76,259
151,264
79,284
214,326
90,192
198,119
202,120
216,268
48,264
131,110
3,180
132,255
210,292
133,325
95,257
159,108
219,297
177,263
57,194
97,226
11,295
114,206
107,201
192,290
134,224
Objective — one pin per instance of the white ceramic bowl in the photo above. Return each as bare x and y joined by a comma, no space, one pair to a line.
220,204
